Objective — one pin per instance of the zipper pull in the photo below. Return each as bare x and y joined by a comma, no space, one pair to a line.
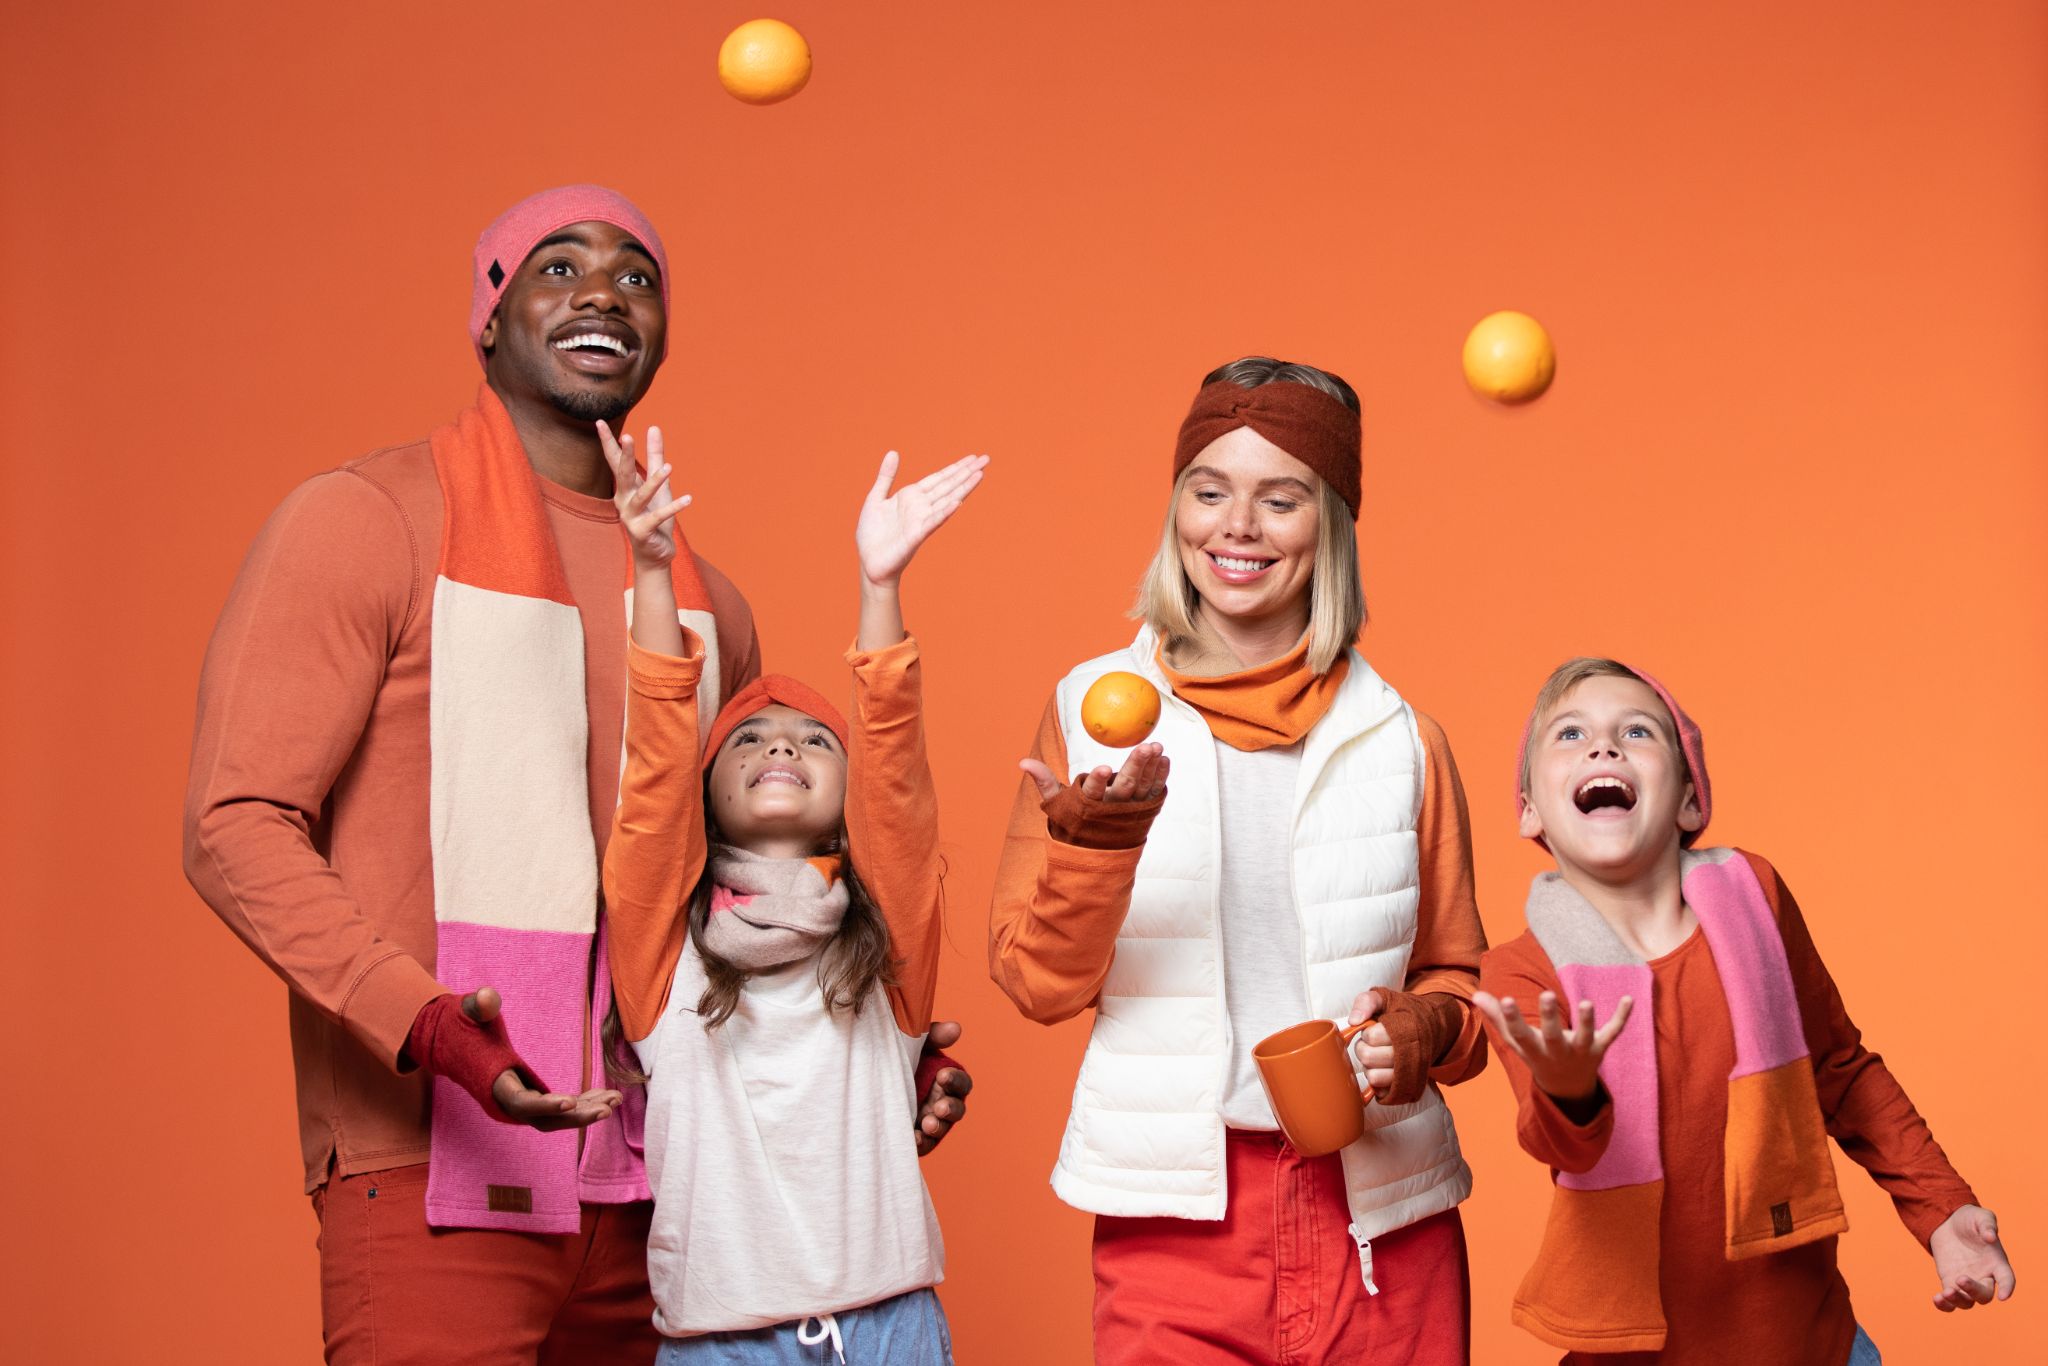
1364,1258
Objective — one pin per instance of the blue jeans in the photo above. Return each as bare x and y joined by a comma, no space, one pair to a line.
903,1330
1863,1352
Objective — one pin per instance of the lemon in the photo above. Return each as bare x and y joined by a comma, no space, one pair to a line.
1120,709
1509,357
763,61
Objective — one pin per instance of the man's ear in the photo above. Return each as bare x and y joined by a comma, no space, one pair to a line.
488,338
1689,817
1531,824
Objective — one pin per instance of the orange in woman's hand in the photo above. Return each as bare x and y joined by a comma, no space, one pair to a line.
1120,709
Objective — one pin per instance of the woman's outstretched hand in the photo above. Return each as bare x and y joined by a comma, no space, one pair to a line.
1141,779
646,511
893,525
1564,1063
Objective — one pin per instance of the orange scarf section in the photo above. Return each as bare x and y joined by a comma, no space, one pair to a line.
1271,705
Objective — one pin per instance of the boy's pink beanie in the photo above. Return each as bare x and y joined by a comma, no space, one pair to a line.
1690,743
505,244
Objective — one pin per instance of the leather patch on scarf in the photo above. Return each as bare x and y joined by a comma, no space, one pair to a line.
509,1199
1781,1218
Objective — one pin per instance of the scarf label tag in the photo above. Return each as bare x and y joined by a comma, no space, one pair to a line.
509,1199
1781,1219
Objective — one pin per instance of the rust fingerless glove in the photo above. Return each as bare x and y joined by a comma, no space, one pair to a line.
1422,1029
446,1042
1098,823
928,1068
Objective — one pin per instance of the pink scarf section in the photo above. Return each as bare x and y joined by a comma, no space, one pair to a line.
514,857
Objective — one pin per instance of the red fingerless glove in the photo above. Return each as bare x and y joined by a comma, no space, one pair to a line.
1421,1028
446,1042
928,1068
1098,823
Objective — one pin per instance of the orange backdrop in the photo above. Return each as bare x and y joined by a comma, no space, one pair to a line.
1792,256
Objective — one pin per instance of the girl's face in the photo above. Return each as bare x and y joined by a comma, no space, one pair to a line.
1248,523
778,784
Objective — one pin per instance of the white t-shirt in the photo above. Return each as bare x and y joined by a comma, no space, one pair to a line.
782,1153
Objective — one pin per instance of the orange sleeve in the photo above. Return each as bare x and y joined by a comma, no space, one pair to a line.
657,848
892,821
1058,907
1522,971
1866,1109
1449,937
290,678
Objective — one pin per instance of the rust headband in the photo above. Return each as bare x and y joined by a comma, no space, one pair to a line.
1316,429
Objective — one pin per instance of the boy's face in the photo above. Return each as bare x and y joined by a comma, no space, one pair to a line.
1608,789
778,783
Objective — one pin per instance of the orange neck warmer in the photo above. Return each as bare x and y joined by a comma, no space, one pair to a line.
1273,704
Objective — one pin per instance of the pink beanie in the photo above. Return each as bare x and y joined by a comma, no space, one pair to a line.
505,244
1690,743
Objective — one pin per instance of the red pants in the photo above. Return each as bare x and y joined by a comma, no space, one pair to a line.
394,1292
1278,1280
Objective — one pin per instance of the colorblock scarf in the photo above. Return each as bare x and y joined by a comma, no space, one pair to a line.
770,912
1780,1181
515,860
1272,704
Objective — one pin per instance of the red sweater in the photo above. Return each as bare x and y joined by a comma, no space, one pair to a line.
1789,1306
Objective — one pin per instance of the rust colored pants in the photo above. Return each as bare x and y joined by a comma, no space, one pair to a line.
1278,1280
394,1292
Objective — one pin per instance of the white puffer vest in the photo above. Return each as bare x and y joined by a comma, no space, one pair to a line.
1145,1136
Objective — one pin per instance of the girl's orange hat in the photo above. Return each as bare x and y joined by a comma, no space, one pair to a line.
766,691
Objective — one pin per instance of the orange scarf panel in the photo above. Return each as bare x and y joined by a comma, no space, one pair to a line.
1270,705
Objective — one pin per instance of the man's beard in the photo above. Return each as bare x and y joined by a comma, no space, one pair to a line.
586,406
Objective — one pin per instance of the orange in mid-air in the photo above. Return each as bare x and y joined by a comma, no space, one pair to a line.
763,61
1509,357
1120,709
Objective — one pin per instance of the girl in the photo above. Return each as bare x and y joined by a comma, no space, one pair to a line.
774,920
1314,859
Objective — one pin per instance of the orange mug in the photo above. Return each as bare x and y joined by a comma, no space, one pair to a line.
1308,1077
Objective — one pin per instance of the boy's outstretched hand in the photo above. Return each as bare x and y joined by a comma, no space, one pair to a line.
1564,1063
893,525
1970,1260
543,1110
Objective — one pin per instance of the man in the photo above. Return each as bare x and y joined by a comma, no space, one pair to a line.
403,779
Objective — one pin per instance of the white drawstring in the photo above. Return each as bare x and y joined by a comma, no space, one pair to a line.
1364,1259
828,1327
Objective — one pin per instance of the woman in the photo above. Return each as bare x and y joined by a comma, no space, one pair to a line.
1314,860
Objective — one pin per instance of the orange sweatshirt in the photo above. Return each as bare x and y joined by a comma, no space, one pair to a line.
1788,1306
658,850
306,810
1058,907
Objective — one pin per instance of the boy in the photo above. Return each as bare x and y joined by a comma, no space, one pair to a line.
1695,1213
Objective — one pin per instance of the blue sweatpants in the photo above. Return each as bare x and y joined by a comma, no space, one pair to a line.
904,1330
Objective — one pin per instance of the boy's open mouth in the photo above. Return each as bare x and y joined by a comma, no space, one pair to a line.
1597,794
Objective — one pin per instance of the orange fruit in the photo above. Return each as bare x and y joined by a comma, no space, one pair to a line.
1120,709
1509,358
763,61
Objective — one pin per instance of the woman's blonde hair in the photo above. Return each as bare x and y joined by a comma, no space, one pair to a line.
1167,601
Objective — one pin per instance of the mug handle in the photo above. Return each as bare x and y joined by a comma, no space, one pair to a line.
1345,1036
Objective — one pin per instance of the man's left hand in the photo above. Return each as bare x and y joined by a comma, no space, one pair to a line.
945,1104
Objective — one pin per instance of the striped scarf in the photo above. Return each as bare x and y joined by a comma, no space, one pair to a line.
1780,1180
514,858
